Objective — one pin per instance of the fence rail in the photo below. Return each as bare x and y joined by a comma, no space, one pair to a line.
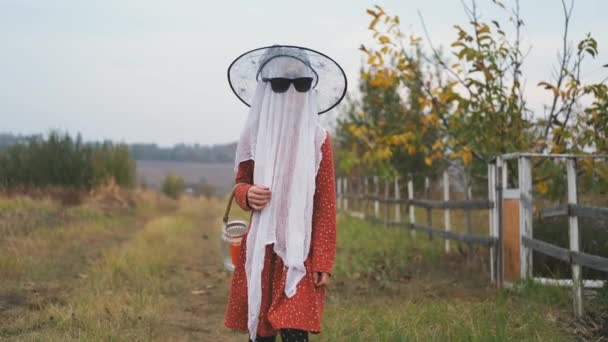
584,259
422,203
575,210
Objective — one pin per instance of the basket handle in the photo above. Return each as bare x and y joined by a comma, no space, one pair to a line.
229,205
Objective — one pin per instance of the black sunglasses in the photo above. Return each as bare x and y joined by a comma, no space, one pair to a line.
281,84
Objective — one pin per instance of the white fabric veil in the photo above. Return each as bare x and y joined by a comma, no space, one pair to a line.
283,136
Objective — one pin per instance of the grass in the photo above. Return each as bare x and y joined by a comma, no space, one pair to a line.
154,273
391,287
126,277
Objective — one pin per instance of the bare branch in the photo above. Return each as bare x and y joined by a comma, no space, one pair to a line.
437,56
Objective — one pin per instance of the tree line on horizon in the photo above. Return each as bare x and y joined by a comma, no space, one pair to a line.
60,160
219,153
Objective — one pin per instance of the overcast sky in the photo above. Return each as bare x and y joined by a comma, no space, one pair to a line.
155,71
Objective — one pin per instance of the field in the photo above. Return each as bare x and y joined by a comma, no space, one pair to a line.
152,173
151,271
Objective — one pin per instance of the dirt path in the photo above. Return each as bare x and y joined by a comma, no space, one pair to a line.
197,312
157,278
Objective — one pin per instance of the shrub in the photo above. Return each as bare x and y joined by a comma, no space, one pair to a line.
173,185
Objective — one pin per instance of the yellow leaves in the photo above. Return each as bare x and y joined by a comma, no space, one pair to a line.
428,161
587,165
430,119
424,102
384,153
403,64
411,150
375,60
376,14
437,155
384,40
438,145
548,86
372,25
371,60
467,155
484,28
383,78
402,139
556,148
542,187
380,59
358,131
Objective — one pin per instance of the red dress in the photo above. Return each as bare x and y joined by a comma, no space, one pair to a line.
305,309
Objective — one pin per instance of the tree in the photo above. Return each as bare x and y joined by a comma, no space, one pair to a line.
466,109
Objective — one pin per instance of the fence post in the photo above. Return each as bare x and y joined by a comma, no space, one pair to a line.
429,220
525,214
339,193
577,281
446,212
493,224
397,204
410,196
467,212
511,226
498,221
345,189
376,194
358,195
356,189
427,195
365,199
386,205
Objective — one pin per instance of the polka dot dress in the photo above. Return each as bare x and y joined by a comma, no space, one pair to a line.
305,309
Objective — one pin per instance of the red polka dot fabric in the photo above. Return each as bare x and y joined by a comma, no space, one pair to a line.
304,310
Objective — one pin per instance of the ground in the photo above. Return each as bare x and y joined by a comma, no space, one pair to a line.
153,272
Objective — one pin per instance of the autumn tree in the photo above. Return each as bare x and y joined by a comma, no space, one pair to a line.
465,107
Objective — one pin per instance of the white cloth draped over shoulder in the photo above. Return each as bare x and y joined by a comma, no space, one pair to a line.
283,136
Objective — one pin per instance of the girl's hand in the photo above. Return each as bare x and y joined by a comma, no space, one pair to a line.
320,278
258,196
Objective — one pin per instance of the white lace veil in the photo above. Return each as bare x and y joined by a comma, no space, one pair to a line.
283,136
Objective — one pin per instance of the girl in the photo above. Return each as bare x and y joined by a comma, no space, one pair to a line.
285,176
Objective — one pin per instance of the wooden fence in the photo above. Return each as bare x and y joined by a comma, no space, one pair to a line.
572,254
510,213
347,194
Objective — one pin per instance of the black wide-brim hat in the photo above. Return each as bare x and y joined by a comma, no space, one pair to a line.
330,83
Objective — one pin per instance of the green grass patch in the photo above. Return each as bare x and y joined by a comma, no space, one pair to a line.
388,286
